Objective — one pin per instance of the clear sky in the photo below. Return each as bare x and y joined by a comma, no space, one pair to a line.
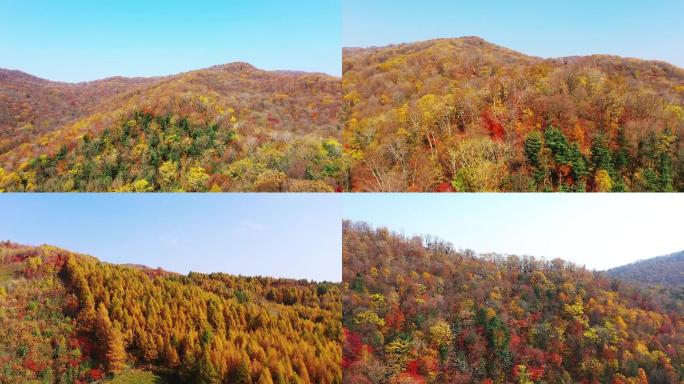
282,235
633,28
79,40
599,231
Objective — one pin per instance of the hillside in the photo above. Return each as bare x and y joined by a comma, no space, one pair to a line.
230,127
67,318
466,115
665,270
415,310
30,106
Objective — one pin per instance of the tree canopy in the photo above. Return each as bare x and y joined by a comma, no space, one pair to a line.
68,318
416,310
466,115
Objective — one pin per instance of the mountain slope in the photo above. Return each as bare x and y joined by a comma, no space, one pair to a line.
291,116
415,310
66,317
30,106
665,270
467,115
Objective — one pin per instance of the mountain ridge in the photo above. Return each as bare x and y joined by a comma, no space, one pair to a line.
158,269
666,270
476,40
233,65
253,108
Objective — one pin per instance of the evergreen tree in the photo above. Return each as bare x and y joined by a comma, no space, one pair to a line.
555,140
621,155
600,154
533,145
665,172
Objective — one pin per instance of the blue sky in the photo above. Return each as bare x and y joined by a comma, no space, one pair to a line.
634,28
282,235
79,40
597,230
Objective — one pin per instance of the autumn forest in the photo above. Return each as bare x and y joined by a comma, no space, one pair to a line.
230,127
417,310
441,115
69,318
466,115
245,173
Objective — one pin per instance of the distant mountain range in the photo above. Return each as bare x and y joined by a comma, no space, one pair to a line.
665,270
463,114
279,130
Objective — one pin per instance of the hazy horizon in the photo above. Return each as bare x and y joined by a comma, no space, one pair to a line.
599,231
632,28
84,41
240,234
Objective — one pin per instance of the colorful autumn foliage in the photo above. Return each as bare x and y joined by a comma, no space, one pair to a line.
75,319
480,117
455,317
225,128
32,106
166,153
38,338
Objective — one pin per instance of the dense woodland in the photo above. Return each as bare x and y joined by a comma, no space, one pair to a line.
225,128
667,271
466,115
68,318
415,310
30,106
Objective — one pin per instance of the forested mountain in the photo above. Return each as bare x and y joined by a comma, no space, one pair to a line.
415,310
69,318
30,106
662,270
231,127
466,115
